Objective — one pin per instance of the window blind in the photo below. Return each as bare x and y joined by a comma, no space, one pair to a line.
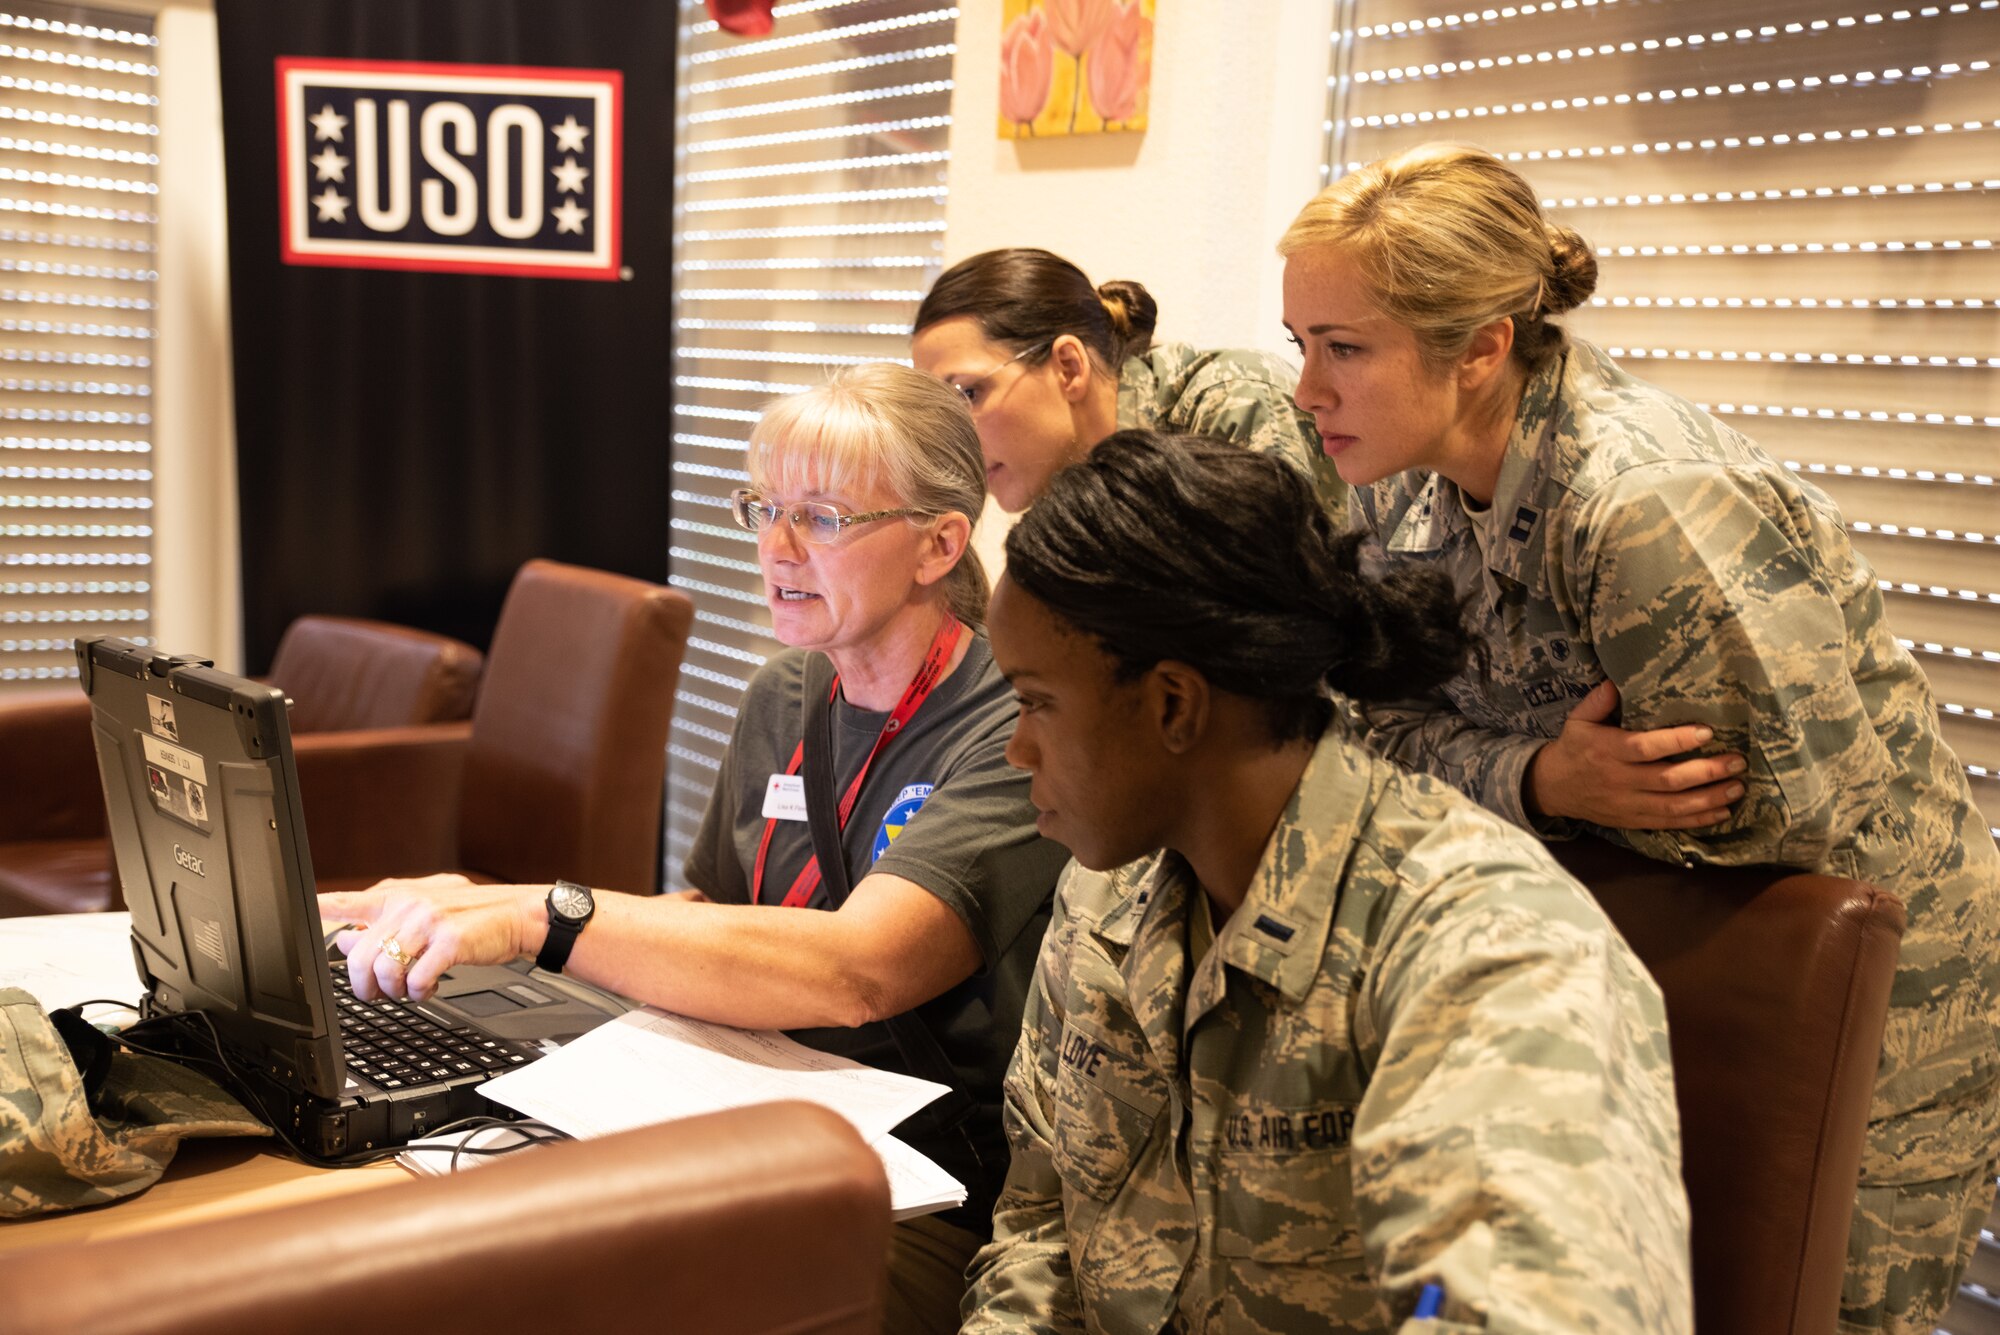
1794,213
809,192
77,213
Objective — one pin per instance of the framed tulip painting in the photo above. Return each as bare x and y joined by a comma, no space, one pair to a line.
1074,66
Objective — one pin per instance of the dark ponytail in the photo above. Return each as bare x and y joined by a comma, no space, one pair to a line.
1024,299
1186,548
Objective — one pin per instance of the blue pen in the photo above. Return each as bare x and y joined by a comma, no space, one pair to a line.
1430,1301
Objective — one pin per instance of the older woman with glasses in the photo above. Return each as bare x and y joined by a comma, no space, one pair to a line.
1051,365
861,494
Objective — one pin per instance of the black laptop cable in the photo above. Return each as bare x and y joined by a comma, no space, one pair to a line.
175,1038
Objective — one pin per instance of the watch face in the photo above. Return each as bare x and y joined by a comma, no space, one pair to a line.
571,901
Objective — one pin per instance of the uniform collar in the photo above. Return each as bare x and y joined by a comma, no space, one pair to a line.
1140,401
1142,881
1533,478
1530,481
1149,926
1278,934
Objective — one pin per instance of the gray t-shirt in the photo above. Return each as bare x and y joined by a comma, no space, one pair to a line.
941,807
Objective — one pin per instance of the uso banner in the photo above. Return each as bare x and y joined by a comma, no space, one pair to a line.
470,190
449,267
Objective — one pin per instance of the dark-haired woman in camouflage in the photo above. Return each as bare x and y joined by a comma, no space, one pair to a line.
1315,1043
1051,365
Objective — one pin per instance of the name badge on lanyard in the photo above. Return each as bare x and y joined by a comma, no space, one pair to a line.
785,797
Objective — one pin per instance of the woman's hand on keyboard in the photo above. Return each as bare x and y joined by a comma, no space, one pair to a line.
409,932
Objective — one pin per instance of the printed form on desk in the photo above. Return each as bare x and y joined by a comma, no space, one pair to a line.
66,958
648,1066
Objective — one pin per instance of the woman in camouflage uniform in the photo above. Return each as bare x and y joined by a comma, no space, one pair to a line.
1051,365
1309,1033
1680,650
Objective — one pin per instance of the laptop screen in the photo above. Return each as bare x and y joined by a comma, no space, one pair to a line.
202,800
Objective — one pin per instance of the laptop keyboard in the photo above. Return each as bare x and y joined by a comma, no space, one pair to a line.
396,1046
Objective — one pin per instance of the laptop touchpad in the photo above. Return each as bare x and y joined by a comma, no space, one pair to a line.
484,1004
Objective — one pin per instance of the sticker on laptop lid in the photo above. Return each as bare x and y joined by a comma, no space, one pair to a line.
205,935
160,713
176,758
178,795
177,781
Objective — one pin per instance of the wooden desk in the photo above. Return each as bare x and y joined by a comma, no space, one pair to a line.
208,1179
66,957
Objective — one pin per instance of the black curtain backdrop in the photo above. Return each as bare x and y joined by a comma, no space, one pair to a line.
407,439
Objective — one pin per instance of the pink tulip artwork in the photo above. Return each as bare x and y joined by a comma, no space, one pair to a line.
1072,67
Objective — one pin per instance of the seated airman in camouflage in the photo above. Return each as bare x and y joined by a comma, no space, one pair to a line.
1315,1043
1680,650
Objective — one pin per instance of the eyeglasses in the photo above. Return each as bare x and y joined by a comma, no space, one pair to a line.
816,521
970,389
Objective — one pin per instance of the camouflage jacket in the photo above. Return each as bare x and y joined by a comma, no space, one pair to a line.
1633,537
1416,1053
1239,396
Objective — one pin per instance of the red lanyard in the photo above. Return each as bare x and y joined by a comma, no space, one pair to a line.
914,695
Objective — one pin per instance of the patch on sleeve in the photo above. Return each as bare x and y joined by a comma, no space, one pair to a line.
900,811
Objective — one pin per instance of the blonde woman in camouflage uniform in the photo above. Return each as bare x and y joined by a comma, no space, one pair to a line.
1309,1032
1681,651
1051,365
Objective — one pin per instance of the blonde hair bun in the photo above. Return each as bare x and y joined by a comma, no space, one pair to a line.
1575,272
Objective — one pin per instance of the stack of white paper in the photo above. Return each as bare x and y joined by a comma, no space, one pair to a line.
648,1066
64,958
916,1184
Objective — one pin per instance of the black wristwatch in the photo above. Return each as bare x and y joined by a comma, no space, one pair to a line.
570,907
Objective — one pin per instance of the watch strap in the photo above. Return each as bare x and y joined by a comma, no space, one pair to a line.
561,938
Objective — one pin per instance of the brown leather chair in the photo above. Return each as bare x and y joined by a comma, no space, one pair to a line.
340,673
344,673
765,1219
561,772
1777,990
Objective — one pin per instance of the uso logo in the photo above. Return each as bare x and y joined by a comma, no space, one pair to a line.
475,168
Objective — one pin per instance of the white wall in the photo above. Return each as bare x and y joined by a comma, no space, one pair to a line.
197,606
1194,206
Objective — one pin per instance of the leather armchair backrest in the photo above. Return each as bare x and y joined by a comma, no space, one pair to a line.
566,769
1777,991
344,673
49,787
761,1220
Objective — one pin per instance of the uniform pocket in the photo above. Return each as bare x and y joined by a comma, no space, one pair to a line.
1283,1210
1104,1108
1288,1246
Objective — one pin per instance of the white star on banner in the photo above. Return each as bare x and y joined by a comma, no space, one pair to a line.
328,165
569,218
569,176
329,124
332,205
569,135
